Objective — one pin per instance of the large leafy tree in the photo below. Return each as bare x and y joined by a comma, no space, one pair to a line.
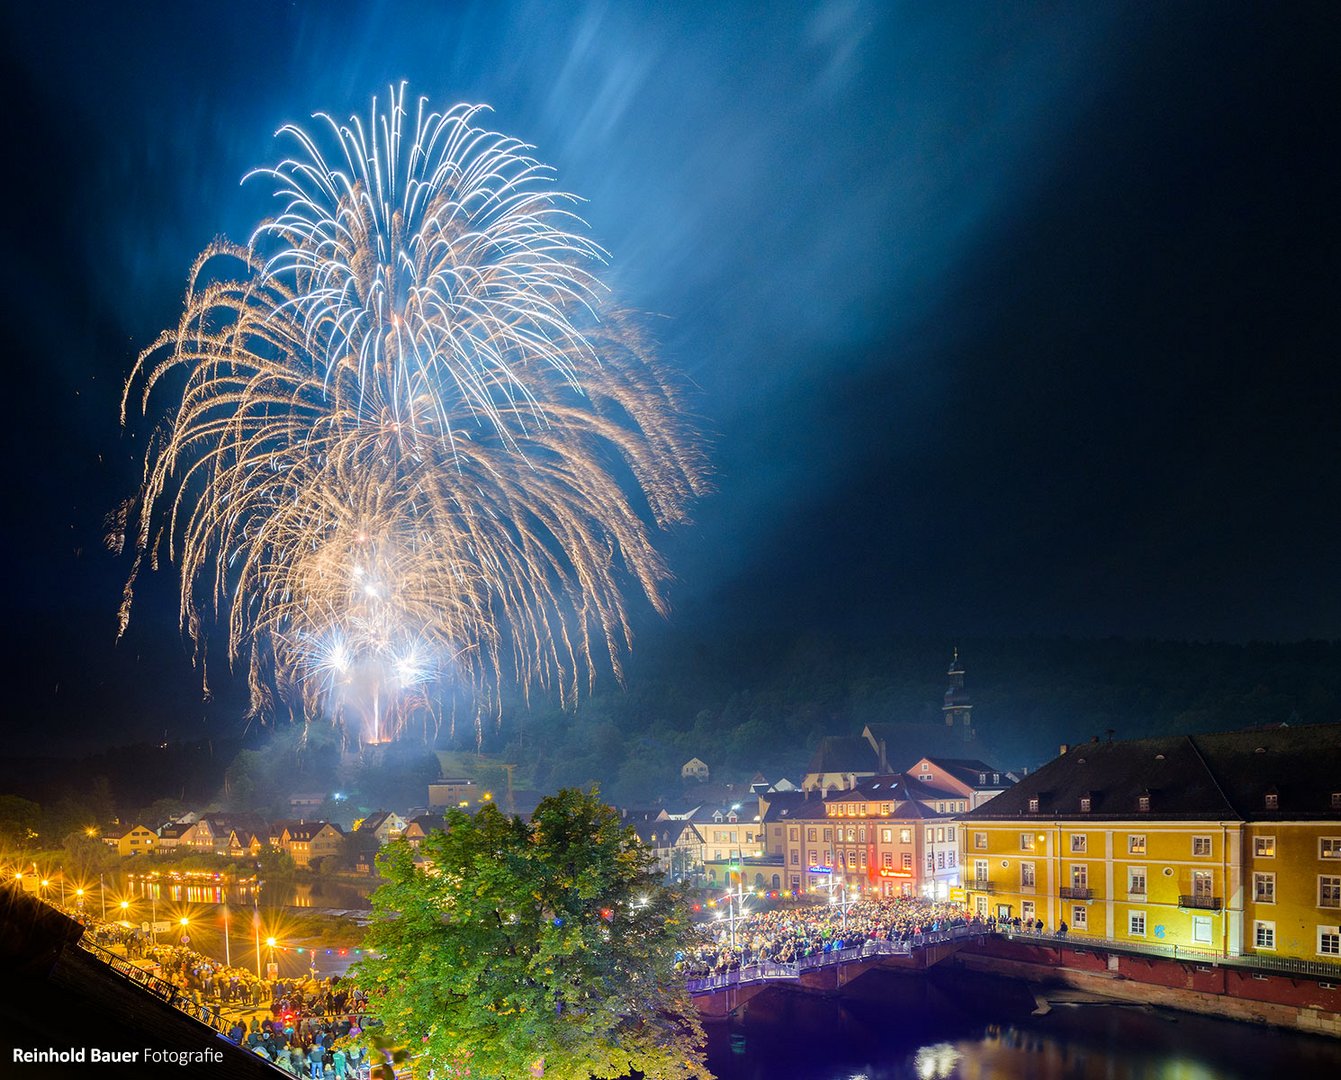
513,949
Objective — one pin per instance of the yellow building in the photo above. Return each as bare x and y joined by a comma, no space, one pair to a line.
309,841
1215,843
137,840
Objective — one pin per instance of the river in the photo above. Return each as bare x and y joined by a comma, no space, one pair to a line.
202,889
962,1025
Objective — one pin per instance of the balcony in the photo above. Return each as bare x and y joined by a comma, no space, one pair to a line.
980,884
1202,903
1074,893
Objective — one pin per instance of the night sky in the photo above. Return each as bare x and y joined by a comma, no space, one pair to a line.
1004,319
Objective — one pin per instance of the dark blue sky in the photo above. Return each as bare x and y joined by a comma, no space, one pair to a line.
1007,319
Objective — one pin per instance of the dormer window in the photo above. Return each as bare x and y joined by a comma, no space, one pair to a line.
1086,804
1336,800
1143,803
1272,801
1033,805
996,778
982,778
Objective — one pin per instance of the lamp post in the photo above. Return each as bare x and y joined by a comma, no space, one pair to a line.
228,953
102,895
735,907
153,907
256,924
844,904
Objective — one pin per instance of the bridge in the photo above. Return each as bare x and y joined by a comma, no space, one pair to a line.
720,995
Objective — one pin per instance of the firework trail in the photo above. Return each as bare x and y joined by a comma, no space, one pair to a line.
416,448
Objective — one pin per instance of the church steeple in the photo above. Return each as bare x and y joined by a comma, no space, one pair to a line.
957,708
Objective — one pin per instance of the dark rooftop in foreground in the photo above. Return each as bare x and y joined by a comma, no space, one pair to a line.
1268,774
62,996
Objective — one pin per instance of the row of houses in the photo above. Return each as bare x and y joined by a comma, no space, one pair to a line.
893,833
1224,845
241,835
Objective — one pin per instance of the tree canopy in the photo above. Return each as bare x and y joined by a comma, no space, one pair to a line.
545,948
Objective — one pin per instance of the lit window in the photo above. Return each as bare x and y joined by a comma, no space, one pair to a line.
1033,805
1136,923
1136,880
1329,847
907,860
905,836
887,860
1264,847
1201,845
1264,934
1329,891
1136,845
1264,888
980,841
1026,841
887,836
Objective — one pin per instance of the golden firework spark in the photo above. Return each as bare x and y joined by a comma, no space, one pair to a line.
415,445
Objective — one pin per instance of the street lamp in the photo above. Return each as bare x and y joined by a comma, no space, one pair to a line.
845,904
228,953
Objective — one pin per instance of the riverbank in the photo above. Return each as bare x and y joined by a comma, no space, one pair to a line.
1297,1002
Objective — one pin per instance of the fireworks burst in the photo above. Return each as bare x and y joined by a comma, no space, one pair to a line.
415,447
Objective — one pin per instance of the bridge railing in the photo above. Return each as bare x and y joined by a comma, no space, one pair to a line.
755,973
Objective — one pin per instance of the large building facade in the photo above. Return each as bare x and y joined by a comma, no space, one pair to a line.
1226,844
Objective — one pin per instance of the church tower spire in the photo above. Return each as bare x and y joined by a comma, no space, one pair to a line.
957,708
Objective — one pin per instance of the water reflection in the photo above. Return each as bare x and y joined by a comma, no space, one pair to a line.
961,1025
214,889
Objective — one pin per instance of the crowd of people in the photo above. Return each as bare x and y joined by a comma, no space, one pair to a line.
307,1026
785,936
